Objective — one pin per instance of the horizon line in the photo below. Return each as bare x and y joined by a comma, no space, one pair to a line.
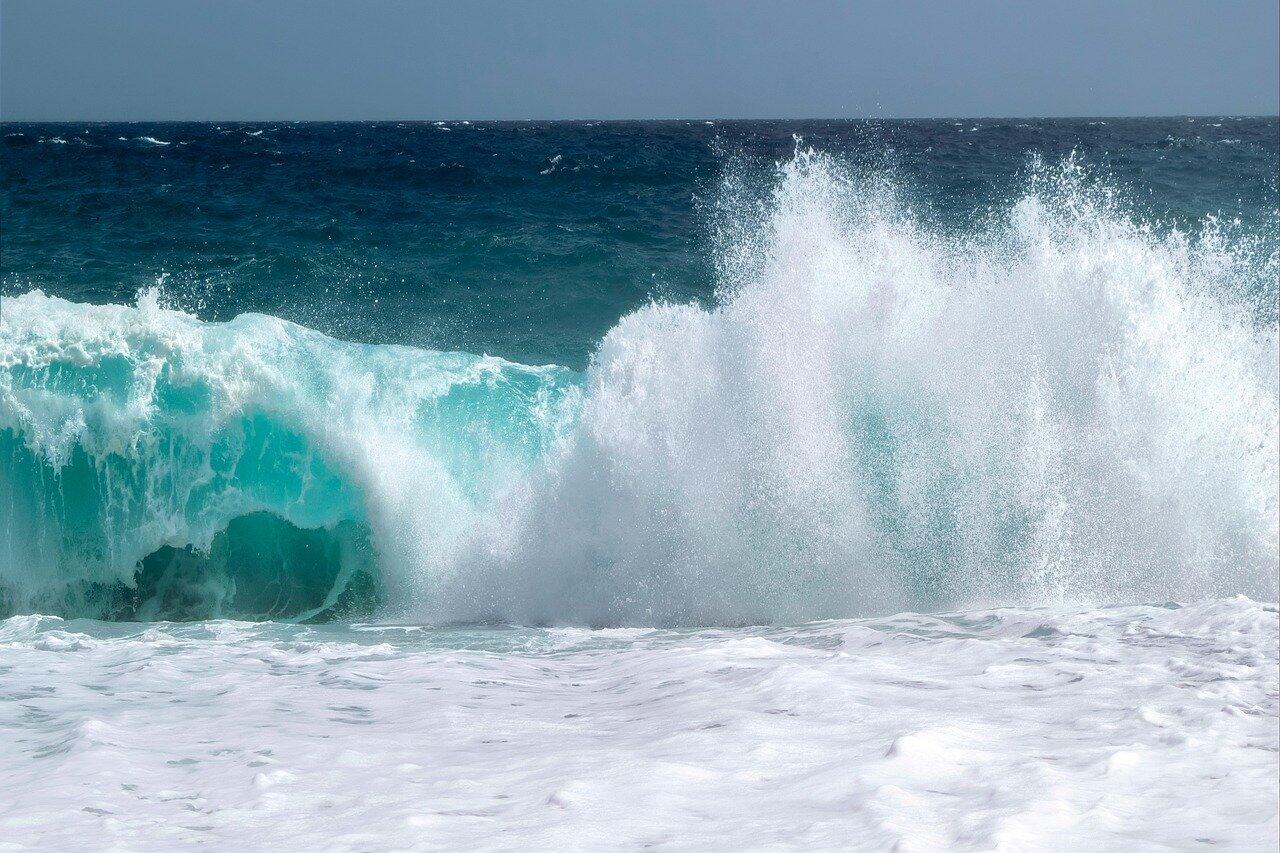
1042,117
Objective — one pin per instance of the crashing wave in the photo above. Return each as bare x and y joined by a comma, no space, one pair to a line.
1064,405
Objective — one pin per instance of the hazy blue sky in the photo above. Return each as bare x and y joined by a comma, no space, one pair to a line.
321,59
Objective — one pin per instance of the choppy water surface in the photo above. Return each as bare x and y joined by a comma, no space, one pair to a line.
522,240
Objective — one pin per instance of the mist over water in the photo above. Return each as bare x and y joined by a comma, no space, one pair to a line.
1064,402
1062,406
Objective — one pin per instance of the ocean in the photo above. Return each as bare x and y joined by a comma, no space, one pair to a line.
581,485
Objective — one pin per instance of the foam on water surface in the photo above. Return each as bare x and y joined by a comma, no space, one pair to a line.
1133,727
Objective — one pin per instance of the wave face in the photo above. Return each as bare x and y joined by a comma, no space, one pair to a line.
1062,404
157,466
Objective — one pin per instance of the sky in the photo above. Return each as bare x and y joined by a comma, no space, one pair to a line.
605,59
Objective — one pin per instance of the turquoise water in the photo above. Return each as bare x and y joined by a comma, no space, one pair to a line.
659,374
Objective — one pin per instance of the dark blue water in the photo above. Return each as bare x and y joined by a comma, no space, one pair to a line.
524,240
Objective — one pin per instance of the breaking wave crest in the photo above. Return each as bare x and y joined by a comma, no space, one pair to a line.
1063,404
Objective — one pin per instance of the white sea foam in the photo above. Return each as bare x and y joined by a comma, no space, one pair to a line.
1132,728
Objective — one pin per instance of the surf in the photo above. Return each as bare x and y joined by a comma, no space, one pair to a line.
1066,403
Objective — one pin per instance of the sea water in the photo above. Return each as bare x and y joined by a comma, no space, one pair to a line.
420,484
